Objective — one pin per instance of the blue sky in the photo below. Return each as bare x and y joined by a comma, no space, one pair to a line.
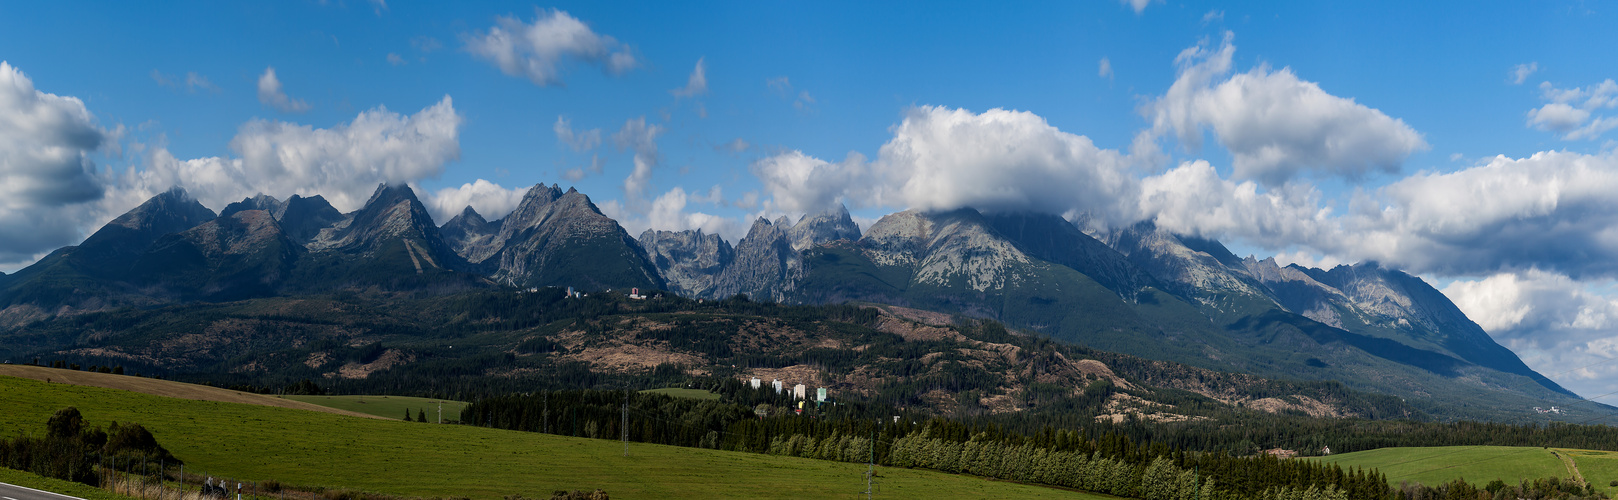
1471,143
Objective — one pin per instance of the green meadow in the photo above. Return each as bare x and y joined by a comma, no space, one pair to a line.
388,406
1481,464
305,448
684,393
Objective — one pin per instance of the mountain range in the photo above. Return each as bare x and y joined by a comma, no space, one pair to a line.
1137,290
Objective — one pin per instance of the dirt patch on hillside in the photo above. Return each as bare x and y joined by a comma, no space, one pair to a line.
918,315
388,359
163,388
1304,404
912,331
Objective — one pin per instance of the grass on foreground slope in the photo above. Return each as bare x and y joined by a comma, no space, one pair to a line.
1600,468
1480,464
29,480
158,387
296,447
387,406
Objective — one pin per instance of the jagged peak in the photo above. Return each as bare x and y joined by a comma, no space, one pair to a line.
388,193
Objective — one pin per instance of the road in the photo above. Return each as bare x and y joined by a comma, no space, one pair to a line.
13,492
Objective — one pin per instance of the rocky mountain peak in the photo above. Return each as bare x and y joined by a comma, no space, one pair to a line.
831,225
467,230
171,211
303,218
689,260
556,238
275,207
765,264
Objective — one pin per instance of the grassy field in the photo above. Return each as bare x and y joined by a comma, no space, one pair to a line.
387,406
684,393
1481,464
298,447
1600,468
86,492
159,387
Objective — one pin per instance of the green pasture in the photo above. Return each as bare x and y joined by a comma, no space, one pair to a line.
304,448
684,393
387,406
1600,468
1477,464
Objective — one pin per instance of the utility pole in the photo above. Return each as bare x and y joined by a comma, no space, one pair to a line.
625,427
547,419
870,472
440,412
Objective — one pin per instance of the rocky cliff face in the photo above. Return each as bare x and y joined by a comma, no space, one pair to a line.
469,230
832,225
689,260
114,246
562,239
303,218
766,267
391,214
276,208
238,256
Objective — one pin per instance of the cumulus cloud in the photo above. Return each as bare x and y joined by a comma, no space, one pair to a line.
941,158
579,141
696,85
1213,16
1567,110
270,94
1521,72
1275,125
1557,325
45,145
1193,199
536,50
641,138
576,174
1552,210
489,199
342,163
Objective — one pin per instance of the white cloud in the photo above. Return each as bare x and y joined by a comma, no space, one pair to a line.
641,138
1552,211
697,84
343,163
1274,124
1213,16
1106,69
45,168
941,158
1567,110
800,183
489,199
1193,199
1560,327
1521,72
270,94
1138,5
579,141
395,59
536,50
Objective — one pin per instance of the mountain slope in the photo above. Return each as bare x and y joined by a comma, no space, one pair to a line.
689,260
238,256
562,239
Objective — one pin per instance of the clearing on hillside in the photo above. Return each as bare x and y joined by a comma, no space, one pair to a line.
295,447
684,393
